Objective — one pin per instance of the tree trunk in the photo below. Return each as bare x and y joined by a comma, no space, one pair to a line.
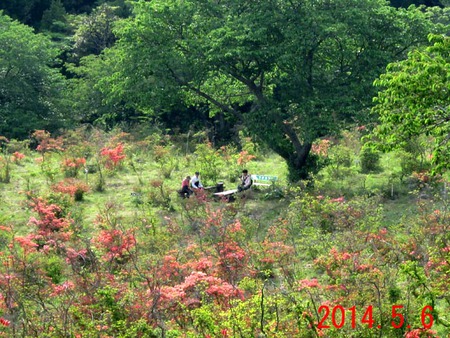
298,164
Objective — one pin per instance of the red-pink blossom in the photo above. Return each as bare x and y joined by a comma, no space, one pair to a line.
309,284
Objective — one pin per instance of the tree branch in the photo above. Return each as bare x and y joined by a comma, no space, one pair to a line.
254,89
209,98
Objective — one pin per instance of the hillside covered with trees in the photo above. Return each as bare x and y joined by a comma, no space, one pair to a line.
106,105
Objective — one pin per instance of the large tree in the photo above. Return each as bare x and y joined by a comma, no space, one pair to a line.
31,89
415,101
290,71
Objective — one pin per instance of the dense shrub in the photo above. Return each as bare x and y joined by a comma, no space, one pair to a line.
370,160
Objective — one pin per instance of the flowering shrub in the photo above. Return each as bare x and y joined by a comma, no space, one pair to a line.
71,166
46,142
73,187
210,270
113,156
52,228
116,244
50,217
27,243
244,158
421,333
198,287
321,147
17,157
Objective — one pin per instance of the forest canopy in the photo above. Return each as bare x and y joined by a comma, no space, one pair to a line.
32,88
290,72
287,73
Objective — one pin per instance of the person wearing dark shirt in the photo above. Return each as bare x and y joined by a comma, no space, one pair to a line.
185,190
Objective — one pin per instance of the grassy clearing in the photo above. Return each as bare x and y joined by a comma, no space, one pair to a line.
126,189
130,186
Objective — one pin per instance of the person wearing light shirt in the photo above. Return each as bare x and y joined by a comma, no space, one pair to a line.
195,181
246,181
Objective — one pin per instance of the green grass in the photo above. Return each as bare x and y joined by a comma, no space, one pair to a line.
118,189
119,185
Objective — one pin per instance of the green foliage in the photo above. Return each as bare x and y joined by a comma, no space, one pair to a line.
274,193
54,269
205,319
62,200
166,158
54,19
209,163
158,194
50,168
32,89
340,160
370,160
410,163
100,182
414,101
260,63
341,156
79,194
88,103
20,10
5,170
107,302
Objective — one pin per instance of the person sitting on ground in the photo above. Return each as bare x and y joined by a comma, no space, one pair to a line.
195,182
246,181
185,190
